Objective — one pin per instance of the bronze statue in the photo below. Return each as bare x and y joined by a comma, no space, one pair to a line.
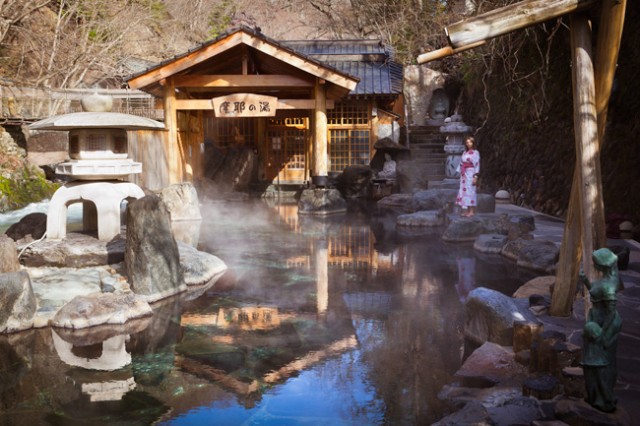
600,335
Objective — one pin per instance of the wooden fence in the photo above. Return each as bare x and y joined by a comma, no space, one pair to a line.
25,104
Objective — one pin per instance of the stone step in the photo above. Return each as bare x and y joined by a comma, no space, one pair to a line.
428,148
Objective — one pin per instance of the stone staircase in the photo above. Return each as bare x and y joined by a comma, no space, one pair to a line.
427,147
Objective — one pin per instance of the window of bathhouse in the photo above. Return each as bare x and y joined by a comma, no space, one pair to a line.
348,148
349,134
228,133
288,138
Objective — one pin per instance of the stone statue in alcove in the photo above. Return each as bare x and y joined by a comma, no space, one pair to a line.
439,105
388,169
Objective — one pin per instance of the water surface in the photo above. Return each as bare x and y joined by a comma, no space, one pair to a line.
340,320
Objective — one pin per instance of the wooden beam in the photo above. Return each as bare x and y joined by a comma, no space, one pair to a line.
608,45
288,104
509,18
184,62
314,68
242,81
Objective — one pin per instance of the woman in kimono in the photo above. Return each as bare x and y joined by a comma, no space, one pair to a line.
468,168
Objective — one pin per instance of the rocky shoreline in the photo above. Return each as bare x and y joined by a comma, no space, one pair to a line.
523,366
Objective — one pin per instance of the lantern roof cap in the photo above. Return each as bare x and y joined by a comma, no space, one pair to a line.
96,120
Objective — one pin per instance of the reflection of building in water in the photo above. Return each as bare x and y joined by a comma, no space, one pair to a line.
349,246
245,318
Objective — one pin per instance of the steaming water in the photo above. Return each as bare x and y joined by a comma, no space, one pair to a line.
340,321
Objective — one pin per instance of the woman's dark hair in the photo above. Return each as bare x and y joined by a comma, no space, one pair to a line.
472,139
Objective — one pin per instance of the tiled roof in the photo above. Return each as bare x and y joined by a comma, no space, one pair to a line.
369,60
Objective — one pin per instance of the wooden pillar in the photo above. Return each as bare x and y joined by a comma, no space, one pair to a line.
585,119
609,35
320,143
171,139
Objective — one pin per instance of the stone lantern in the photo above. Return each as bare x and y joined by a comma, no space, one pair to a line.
456,132
98,166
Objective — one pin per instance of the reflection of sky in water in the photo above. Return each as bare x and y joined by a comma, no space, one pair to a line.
328,393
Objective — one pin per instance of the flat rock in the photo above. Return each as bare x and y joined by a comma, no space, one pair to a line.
432,199
490,243
473,413
537,286
462,229
537,255
395,201
424,218
77,250
101,308
579,412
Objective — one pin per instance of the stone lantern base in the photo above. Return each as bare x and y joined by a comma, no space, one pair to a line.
101,207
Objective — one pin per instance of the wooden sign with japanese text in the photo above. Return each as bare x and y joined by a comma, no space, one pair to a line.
245,105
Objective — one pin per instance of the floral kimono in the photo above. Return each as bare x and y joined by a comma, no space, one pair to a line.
468,167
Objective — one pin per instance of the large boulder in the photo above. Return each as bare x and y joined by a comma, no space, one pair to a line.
182,201
321,202
152,258
30,227
8,255
489,365
101,308
199,267
489,316
17,302
354,181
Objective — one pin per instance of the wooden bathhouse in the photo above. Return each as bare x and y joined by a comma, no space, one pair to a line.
304,108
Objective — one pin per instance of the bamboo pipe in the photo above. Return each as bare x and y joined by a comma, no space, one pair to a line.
445,51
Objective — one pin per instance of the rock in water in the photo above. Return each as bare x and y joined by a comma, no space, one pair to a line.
152,259
17,302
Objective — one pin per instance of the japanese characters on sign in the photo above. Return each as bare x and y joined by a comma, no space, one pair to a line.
245,105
